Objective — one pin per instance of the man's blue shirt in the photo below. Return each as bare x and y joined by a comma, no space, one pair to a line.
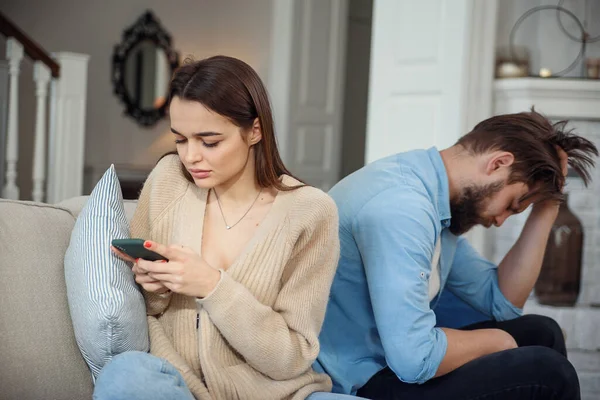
379,314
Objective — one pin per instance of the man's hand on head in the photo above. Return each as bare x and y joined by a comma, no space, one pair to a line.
564,160
549,208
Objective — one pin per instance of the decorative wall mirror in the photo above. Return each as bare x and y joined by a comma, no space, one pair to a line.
142,67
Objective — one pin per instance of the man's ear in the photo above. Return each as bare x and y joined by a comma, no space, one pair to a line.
255,135
498,161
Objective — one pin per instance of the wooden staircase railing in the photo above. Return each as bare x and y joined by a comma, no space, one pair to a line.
66,123
32,49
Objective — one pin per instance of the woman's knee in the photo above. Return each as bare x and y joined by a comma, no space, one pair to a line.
131,362
125,371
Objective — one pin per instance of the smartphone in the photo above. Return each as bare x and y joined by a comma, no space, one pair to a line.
134,248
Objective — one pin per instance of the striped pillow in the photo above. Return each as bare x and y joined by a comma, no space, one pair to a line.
107,308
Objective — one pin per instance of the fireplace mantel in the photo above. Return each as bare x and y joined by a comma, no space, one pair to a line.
554,97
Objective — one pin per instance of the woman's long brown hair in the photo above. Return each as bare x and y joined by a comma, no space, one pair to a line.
231,88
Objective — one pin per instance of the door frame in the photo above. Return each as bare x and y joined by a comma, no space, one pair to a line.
298,119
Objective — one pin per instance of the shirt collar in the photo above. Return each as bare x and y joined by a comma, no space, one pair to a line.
443,190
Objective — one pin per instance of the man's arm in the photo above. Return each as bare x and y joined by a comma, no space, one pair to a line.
474,279
465,346
520,268
518,271
395,233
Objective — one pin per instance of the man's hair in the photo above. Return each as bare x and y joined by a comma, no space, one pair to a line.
532,139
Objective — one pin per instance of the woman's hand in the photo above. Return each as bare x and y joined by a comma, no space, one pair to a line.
122,255
141,277
185,272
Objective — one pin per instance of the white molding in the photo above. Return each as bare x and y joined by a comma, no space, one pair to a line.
67,127
555,98
303,62
280,69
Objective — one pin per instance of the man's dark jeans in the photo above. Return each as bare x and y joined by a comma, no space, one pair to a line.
538,369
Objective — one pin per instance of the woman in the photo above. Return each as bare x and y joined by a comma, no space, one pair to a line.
237,309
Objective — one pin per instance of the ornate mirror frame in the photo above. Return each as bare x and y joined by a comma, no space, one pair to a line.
147,27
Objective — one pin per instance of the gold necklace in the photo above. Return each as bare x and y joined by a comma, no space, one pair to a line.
227,226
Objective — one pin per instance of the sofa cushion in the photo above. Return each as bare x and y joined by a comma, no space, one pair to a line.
39,358
107,308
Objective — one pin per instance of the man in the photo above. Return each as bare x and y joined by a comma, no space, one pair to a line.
400,224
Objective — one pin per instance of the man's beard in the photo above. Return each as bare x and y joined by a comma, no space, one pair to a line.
467,207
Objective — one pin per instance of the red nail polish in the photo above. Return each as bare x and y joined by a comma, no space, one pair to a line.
163,261
147,244
137,260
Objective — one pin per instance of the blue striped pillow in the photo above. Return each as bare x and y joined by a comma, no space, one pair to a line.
107,308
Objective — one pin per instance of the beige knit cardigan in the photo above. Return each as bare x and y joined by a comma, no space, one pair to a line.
258,330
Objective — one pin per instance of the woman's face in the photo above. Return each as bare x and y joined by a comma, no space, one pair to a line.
210,146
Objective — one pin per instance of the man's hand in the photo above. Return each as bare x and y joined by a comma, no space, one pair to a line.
185,272
564,160
549,208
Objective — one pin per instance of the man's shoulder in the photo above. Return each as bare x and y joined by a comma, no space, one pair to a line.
410,200
399,171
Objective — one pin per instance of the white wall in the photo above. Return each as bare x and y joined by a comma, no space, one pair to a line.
418,75
541,34
200,28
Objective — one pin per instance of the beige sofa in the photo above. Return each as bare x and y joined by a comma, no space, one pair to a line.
39,358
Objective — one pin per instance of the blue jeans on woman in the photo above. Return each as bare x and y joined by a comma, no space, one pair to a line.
137,375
